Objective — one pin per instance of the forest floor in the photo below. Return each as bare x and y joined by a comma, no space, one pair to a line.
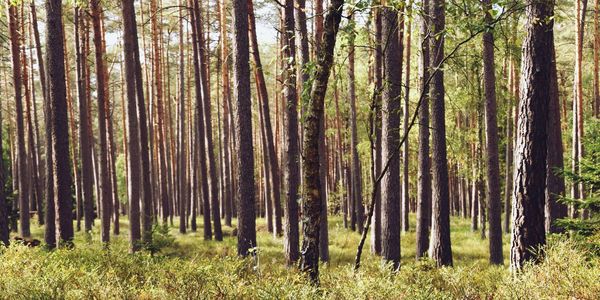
187,267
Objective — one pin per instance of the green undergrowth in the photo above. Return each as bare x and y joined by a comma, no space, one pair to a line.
187,267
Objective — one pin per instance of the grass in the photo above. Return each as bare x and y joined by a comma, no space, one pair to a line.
191,268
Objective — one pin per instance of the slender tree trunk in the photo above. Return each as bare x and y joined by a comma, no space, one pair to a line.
181,132
4,228
206,109
42,72
228,193
291,148
199,135
105,193
242,119
530,162
440,249
577,190
424,162
406,112
147,198
84,129
134,164
555,183
23,183
72,127
354,159
310,170
390,123
60,129
376,128
475,194
491,134
34,188
508,175
158,97
273,169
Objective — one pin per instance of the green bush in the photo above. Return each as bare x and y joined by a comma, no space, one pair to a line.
186,267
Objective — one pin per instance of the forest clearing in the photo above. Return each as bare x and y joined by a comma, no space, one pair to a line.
269,149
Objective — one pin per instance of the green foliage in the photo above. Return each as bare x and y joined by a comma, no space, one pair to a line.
589,177
186,267
161,238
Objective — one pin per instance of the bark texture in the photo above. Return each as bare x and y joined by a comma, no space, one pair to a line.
310,168
57,93
390,128
242,120
291,141
491,138
424,162
440,249
530,160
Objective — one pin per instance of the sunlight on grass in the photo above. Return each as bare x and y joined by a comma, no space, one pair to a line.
191,268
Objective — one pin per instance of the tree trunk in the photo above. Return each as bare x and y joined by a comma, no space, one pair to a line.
440,249
390,123
105,194
34,188
134,164
555,183
273,169
60,129
84,126
242,120
491,134
406,119
199,135
355,177
508,175
291,147
181,132
530,161
23,184
314,114
424,162
209,155
228,193
577,190
37,149
161,143
42,72
4,230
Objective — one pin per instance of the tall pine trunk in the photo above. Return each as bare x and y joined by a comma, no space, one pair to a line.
405,110
273,169
209,155
491,138
22,179
440,249
530,160
390,124
242,120
424,162
555,183
105,192
84,125
134,163
199,134
60,129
